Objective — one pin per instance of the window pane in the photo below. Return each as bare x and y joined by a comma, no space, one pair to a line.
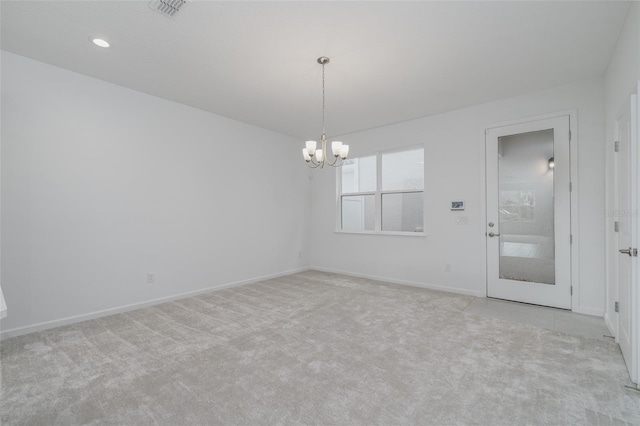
403,212
358,213
359,175
403,170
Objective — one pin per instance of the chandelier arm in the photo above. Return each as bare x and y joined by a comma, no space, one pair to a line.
313,165
336,161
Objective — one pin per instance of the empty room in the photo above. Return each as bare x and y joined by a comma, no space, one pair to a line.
319,212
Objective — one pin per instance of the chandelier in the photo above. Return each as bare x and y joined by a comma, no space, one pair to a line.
318,157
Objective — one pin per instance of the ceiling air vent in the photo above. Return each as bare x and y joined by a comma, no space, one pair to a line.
167,7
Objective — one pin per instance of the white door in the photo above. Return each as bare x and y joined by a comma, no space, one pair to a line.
528,212
626,223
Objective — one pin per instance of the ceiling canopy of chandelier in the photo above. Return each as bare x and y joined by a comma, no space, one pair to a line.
318,157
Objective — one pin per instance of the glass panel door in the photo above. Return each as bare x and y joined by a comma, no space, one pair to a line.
528,225
526,207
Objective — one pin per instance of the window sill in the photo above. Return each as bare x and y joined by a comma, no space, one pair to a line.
392,233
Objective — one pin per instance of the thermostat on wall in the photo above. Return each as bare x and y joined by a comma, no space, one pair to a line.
457,205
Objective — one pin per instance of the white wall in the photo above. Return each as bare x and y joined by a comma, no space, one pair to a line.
102,184
621,80
454,161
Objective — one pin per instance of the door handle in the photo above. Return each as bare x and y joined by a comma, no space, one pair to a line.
627,251
491,234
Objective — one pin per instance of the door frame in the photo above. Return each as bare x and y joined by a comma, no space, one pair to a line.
574,223
633,364
635,173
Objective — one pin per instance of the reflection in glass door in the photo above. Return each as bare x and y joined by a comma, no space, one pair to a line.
525,170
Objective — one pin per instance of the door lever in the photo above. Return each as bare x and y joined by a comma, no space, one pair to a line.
491,234
627,251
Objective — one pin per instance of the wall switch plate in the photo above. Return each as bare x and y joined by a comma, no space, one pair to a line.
151,278
462,220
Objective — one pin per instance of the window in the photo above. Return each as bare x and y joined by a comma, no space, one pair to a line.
382,193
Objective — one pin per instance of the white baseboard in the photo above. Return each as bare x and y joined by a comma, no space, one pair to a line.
585,310
18,331
403,282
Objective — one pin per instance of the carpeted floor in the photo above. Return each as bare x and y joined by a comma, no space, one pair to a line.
312,348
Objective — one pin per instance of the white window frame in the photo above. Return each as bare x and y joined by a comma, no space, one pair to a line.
378,193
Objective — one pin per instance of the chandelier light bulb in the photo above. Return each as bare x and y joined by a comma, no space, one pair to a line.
305,155
344,151
319,156
311,147
336,147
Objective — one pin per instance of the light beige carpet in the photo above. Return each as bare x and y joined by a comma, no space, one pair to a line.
312,348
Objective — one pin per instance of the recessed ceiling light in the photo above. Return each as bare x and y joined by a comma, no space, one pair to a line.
100,42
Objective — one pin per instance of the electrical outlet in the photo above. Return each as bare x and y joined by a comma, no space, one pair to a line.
151,278
447,267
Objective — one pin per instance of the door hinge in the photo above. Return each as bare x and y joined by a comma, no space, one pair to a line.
571,290
616,307
616,226
570,238
616,146
570,186
569,135
634,252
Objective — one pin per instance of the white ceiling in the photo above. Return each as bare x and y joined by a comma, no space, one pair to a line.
256,61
